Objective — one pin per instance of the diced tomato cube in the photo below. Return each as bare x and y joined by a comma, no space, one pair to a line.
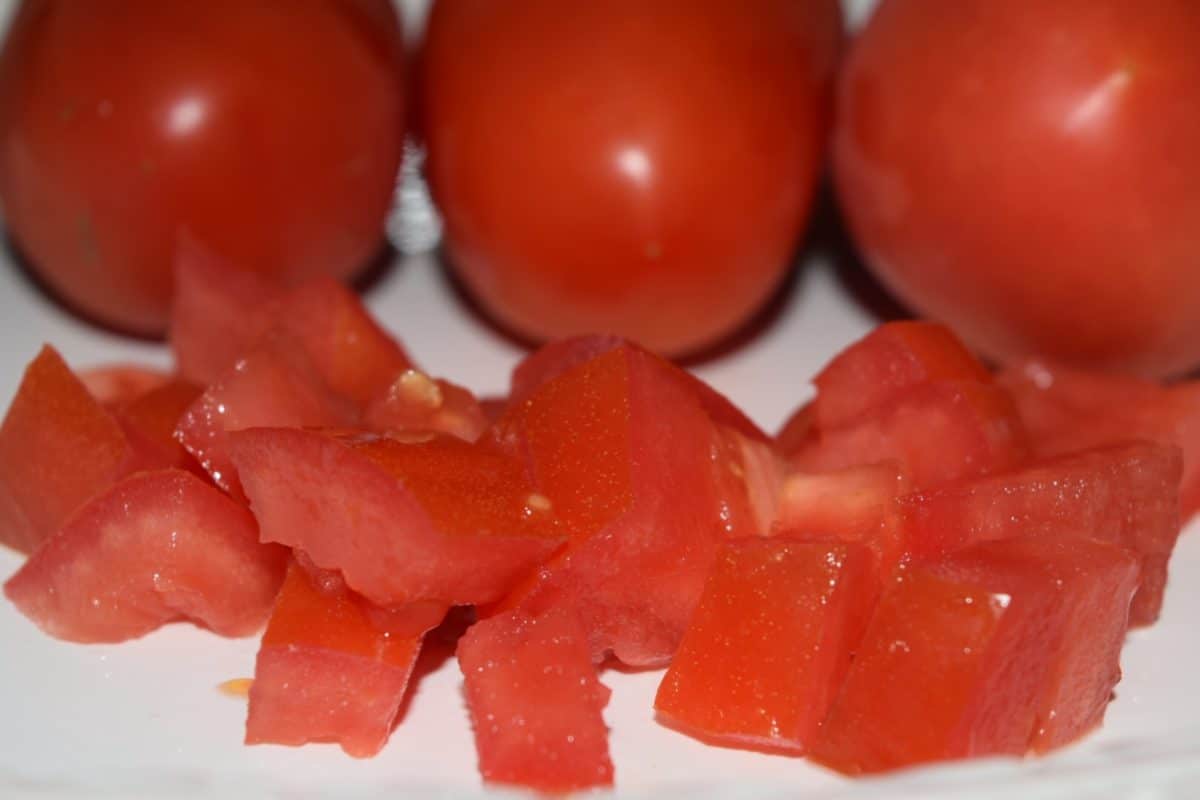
883,366
330,669
937,432
156,547
625,448
769,643
58,448
218,312
416,402
1125,494
856,504
438,519
1067,410
975,654
155,415
535,703
273,385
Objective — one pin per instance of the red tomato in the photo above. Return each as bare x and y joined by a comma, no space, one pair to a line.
270,133
1028,172
634,168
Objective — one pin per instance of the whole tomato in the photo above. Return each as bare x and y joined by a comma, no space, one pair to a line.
269,132
1029,172
634,167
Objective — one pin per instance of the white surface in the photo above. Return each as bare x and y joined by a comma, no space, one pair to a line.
146,718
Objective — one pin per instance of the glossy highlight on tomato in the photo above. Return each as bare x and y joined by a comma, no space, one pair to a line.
1027,172
643,169
270,133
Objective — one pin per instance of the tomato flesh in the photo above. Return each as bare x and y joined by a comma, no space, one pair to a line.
1122,494
937,432
274,384
769,643
535,703
437,520
975,654
643,492
58,448
879,368
328,670
156,547
1068,409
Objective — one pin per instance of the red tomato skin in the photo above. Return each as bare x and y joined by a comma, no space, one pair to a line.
1044,203
271,133
643,169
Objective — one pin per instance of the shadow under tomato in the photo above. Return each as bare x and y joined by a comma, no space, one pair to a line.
382,264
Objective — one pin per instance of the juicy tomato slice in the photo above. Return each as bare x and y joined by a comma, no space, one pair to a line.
58,447
769,643
937,432
1126,494
535,702
637,471
274,384
439,519
1067,410
331,667
879,368
157,546
856,504
976,653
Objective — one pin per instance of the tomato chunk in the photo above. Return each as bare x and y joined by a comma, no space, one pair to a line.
881,367
937,432
331,668
535,703
975,654
58,448
1125,494
158,546
210,296
438,520
856,504
416,402
641,487
1067,410
116,384
769,643
274,384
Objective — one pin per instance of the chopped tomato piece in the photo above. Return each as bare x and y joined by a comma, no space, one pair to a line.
937,432
769,643
798,430
1067,410
625,448
856,504
155,415
535,703
974,654
156,547
1125,494
274,384
58,448
438,519
330,668
218,312
354,356
883,366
